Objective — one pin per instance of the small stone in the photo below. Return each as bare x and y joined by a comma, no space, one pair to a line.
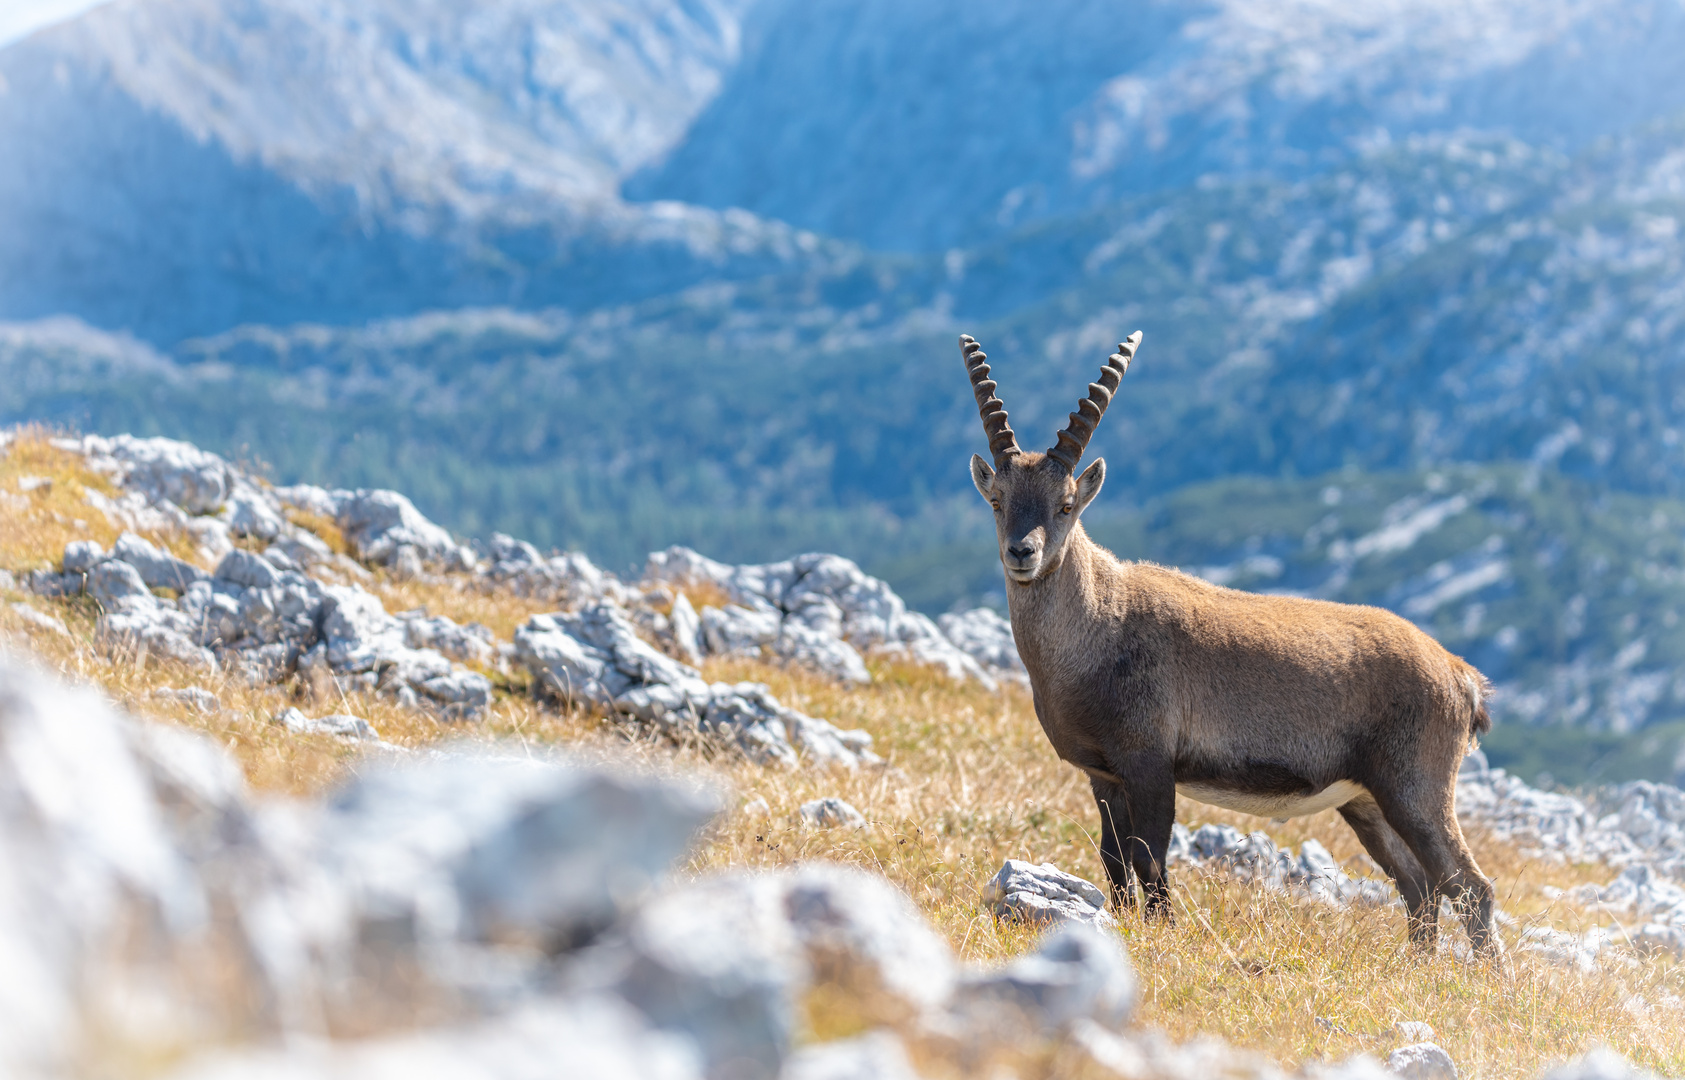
1076,973
1412,1031
112,582
27,484
379,524
81,555
686,629
406,564
1422,1061
1045,895
831,813
247,568
878,1055
40,620
195,697
159,569
351,727
1601,1063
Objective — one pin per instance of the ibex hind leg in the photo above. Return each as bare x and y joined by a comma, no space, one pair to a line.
1429,825
1388,849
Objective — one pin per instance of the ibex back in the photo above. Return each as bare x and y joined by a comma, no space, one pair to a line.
1152,682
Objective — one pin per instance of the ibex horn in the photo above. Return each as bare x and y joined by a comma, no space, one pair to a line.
1002,443
1074,439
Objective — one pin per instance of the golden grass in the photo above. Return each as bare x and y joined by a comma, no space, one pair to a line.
325,528
969,781
35,525
457,598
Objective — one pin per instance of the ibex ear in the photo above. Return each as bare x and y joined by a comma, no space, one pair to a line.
1088,484
981,475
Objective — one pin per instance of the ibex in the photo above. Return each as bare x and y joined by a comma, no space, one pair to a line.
1155,682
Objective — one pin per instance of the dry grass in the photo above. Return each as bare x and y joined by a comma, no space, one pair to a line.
325,528
970,781
35,525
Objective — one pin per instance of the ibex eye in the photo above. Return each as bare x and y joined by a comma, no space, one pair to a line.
1067,508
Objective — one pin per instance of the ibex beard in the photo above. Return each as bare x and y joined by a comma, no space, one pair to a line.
1154,682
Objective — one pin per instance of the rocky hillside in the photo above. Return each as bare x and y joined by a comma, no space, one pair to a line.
573,825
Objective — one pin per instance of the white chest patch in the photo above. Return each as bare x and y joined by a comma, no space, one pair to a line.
1338,793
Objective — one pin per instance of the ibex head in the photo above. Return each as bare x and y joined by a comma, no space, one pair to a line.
1037,498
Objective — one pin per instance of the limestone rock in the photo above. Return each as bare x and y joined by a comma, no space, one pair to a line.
878,1055
832,813
163,470
471,644
987,638
815,609
567,580
1314,873
248,570
1600,1064
379,524
40,620
437,890
194,697
1422,1061
686,628
350,727
1412,1031
595,1037
81,555
738,631
1045,895
158,569
112,583
594,657
263,620
1077,972
726,958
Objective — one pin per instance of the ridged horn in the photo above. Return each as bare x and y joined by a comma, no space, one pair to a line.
1074,439
1002,443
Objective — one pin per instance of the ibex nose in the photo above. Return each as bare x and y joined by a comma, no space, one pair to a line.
1020,552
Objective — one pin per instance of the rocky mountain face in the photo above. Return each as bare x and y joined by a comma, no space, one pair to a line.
178,168
939,124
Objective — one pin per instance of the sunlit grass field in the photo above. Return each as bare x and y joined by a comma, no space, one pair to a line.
968,782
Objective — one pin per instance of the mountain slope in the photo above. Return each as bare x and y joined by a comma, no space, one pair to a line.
938,124
178,167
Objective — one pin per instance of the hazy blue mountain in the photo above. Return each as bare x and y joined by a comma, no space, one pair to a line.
179,167
921,126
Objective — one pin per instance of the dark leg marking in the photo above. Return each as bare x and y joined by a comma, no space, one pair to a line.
1437,840
1388,849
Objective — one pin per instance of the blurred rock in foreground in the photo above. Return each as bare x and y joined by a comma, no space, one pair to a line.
458,914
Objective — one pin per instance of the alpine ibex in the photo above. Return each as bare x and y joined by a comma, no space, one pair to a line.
1154,682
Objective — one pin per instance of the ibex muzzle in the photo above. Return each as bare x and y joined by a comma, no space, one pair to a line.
1154,682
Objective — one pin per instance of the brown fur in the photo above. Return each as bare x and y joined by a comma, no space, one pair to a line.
1146,678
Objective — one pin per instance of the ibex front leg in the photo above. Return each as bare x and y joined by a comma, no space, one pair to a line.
1136,815
1106,796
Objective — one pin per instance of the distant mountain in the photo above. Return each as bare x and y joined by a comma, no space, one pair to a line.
922,126
179,167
